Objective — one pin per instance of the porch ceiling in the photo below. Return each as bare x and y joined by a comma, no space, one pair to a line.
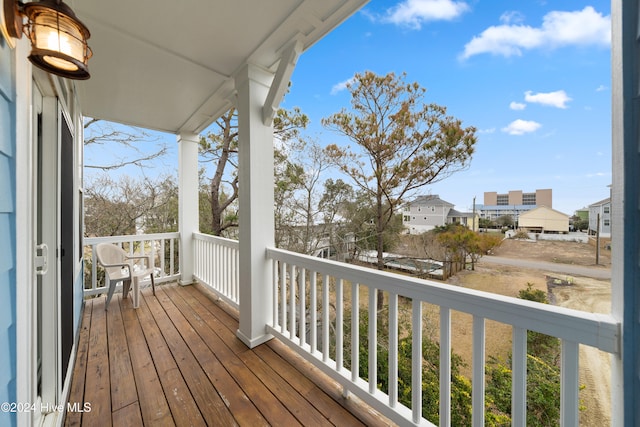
169,65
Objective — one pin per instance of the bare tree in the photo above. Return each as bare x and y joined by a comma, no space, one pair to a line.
99,132
221,147
126,205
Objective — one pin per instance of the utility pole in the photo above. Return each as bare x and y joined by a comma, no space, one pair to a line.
473,219
598,239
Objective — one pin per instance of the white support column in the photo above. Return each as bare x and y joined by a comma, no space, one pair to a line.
625,210
188,214
256,231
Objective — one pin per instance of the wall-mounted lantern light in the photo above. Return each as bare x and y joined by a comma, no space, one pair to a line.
58,38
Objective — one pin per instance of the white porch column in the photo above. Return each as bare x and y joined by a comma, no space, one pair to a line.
188,214
256,224
625,210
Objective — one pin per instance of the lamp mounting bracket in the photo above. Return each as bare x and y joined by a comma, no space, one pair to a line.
13,17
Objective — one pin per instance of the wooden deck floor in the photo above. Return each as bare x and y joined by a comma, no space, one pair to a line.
176,361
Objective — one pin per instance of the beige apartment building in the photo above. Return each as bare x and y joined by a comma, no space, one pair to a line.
513,203
519,198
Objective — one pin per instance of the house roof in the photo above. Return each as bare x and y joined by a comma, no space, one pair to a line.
170,65
429,200
601,202
534,211
456,214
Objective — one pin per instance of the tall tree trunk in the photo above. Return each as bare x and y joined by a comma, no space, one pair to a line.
217,206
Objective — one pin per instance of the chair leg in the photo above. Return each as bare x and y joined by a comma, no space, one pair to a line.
153,285
136,293
112,288
126,285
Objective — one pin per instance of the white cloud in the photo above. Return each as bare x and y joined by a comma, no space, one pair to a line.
413,13
556,99
597,174
520,127
339,87
489,130
601,88
511,17
584,27
517,106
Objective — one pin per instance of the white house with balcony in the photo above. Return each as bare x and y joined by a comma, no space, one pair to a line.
176,67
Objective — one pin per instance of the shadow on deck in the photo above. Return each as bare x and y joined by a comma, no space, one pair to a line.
176,361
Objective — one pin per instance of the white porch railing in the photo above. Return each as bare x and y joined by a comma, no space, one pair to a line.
216,265
310,295
162,247
302,301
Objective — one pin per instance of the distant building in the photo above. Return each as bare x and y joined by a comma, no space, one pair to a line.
603,209
468,219
544,220
583,214
425,213
513,204
428,212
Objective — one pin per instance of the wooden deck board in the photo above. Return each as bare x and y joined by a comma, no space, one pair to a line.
97,385
123,393
151,399
76,393
177,361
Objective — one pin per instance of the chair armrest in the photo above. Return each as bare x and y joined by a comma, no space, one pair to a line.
115,265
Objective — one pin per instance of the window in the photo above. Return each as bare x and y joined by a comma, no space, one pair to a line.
606,209
606,223
433,208
529,199
406,218
503,199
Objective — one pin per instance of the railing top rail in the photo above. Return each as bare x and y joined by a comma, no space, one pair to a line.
130,238
596,330
217,239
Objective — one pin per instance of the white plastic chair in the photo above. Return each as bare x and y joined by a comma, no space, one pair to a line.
119,267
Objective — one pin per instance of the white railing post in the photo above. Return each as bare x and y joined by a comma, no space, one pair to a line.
416,360
477,384
355,331
569,384
445,366
519,378
393,349
373,339
188,210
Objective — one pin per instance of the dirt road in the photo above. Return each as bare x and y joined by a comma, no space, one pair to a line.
573,270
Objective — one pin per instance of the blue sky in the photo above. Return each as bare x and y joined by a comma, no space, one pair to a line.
533,76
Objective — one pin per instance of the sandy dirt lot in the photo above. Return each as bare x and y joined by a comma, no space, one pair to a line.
584,294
